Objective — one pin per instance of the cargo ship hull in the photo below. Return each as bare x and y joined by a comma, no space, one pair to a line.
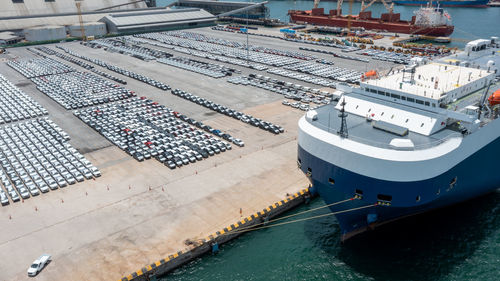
461,180
471,4
367,22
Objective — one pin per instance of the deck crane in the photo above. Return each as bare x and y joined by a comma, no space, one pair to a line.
349,17
339,5
390,8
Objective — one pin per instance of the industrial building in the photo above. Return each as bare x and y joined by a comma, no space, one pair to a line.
144,21
9,38
90,29
45,33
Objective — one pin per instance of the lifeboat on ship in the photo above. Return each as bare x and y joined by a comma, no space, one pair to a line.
494,99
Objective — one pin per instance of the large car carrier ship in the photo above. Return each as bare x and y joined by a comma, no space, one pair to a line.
417,139
429,20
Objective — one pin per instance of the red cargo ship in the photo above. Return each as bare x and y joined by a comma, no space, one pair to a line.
429,21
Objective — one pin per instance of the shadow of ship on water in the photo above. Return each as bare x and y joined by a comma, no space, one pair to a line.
423,247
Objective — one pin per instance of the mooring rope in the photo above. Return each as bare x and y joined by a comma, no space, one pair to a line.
253,227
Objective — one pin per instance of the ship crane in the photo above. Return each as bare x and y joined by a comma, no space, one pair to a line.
390,8
339,5
316,3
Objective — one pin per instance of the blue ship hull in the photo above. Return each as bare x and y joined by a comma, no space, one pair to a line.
476,3
475,176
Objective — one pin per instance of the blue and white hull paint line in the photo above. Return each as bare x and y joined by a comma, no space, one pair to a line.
458,169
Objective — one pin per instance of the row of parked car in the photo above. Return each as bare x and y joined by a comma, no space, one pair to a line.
208,69
235,44
80,89
298,105
224,28
218,49
35,67
15,105
83,64
46,50
387,56
303,77
204,38
287,89
36,157
347,57
130,45
327,71
291,54
126,45
222,58
246,118
145,129
120,70
344,48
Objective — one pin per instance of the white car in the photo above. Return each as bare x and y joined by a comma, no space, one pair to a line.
3,198
239,142
38,265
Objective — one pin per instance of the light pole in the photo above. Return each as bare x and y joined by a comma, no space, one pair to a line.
248,52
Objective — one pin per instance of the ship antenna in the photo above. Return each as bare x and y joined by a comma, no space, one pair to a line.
343,126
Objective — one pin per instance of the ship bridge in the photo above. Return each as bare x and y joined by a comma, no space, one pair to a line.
427,86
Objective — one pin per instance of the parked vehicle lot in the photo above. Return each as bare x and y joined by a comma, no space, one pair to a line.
387,56
36,157
80,89
36,67
83,64
145,129
120,70
15,105
208,69
290,91
217,46
347,57
128,45
326,71
246,118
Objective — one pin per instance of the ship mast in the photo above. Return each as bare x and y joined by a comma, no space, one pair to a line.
343,125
